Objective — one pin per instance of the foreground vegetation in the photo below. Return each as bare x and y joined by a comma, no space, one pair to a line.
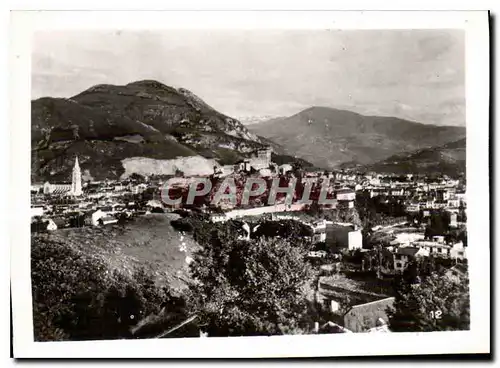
132,281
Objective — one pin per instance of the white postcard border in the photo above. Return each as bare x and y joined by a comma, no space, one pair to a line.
477,114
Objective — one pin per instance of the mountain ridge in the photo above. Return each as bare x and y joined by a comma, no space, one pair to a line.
449,159
329,137
106,124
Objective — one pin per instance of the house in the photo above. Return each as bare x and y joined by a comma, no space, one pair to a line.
154,203
453,203
426,203
41,225
453,220
106,220
316,254
218,217
406,238
261,159
458,251
224,170
460,195
437,247
36,188
137,189
345,197
57,223
398,192
319,236
404,255
51,225
97,215
319,230
412,207
242,165
345,194
343,237
442,195
330,327
283,169
365,317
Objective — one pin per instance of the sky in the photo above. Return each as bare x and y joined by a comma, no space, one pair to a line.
411,74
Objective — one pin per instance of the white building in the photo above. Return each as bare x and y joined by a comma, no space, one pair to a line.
437,247
56,189
453,220
97,215
283,169
261,159
458,251
346,194
51,226
355,240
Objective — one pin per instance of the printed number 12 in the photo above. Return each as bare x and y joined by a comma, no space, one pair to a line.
436,314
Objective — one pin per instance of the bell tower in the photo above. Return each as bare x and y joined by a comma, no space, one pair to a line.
76,179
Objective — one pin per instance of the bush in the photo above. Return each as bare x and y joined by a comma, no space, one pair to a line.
182,225
249,287
76,296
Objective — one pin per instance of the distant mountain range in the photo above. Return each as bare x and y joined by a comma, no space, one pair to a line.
107,125
249,120
148,127
449,159
328,137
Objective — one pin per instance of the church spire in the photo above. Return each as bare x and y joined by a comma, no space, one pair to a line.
76,179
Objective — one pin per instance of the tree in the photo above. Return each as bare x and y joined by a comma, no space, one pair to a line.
439,224
137,177
157,210
292,230
438,303
77,221
77,296
314,209
249,287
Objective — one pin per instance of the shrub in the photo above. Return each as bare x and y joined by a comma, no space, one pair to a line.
249,287
77,296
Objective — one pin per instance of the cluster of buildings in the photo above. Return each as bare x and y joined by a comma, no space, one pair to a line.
417,193
400,257
62,205
101,203
337,235
258,160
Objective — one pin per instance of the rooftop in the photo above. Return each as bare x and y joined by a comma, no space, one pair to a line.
407,251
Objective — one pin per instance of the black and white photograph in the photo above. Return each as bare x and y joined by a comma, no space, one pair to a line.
195,183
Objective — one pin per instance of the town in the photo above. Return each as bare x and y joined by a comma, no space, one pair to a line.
374,227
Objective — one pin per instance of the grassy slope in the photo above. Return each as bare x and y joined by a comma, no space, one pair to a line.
149,241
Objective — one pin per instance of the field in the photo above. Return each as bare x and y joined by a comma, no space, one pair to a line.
148,240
